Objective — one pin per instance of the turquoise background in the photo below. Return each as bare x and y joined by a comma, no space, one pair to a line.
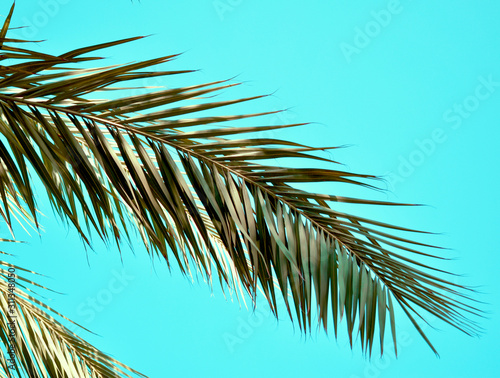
412,87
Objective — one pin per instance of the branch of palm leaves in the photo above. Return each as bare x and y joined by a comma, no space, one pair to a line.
198,194
36,344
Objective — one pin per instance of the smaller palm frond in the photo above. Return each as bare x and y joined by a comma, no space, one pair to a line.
36,344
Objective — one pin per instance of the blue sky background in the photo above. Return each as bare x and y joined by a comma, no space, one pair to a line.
414,89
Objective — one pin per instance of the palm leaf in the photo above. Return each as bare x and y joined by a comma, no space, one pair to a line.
198,193
36,344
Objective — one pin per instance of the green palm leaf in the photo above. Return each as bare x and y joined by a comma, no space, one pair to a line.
198,193
39,345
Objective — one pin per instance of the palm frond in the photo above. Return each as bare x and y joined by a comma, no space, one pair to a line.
199,195
36,344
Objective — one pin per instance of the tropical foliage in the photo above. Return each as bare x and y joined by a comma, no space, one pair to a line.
203,195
